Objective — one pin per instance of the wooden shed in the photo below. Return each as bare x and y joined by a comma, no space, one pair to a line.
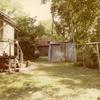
62,52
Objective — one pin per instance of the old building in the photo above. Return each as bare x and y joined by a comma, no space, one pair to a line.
9,47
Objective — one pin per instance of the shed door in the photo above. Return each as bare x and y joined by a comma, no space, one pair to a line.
56,53
70,52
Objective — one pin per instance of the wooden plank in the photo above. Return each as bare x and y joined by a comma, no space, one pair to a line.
49,53
91,43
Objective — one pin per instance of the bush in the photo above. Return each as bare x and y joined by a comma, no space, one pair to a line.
87,56
28,49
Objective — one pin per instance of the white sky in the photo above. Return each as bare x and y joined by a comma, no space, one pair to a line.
35,8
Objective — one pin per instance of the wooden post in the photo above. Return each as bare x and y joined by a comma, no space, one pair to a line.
9,56
17,51
49,53
9,66
19,54
9,47
75,50
21,58
97,46
84,46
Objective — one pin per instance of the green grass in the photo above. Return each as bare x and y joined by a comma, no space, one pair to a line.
51,82
41,60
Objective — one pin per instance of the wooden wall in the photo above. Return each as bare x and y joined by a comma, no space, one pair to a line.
61,52
7,35
1,29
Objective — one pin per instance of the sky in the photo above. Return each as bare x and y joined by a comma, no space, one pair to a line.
35,8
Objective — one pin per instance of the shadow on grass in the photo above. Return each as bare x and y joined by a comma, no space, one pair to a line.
41,60
56,81
73,76
15,93
16,87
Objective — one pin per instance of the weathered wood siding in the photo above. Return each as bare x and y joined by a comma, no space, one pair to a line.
1,29
8,32
61,52
7,35
70,52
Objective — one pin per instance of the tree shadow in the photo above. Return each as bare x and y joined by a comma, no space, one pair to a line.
64,76
73,76
15,93
17,87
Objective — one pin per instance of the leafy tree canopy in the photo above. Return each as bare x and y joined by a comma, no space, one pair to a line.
74,18
11,7
29,29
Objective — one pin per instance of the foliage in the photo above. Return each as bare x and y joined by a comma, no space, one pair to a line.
11,7
98,30
5,5
28,49
28,31
48,26
44,1
57,37
87,56
74,17
28,28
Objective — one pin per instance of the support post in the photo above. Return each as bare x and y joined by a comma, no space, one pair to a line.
49,53
97,46
17,51
75,50
9,47
9,66
21,58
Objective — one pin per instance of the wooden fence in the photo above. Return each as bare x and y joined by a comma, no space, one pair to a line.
92,51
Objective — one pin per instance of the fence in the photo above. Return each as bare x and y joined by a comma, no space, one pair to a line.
89,54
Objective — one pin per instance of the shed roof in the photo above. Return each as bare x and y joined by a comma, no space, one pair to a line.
43,41
7,19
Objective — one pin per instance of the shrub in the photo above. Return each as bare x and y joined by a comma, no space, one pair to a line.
87,56
28,49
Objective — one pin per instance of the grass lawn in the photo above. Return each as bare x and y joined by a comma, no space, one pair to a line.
51,82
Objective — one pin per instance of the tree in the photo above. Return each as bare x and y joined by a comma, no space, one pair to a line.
11,7
74,17
28,28
28,32
5,5
98,30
